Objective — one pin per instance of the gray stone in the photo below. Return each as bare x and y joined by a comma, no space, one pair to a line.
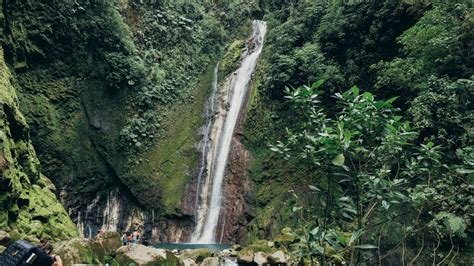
211,261
260,258
277,257
4,238
188,262
245,256
143,255
198,255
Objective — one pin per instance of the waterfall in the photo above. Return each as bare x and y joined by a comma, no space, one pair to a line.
111,213
205,144
231,97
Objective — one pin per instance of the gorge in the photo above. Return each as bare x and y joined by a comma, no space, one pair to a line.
332,132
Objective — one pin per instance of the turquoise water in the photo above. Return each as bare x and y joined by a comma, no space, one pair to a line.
182,246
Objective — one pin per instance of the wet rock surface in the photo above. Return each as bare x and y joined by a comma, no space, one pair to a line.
142,255
106,249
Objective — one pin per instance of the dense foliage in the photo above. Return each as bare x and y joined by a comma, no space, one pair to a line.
372,180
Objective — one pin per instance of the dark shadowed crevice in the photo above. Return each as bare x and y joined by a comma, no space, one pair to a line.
109,168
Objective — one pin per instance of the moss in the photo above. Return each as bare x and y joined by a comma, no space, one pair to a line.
198,255
259,246
231,60
169,163
80,251
261,128
27,202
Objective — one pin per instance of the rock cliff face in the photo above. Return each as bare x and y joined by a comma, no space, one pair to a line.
237,210
27,202
99,80
238,189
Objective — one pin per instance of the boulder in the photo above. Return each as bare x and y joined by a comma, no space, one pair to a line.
211,261
245,256
277,257
146,256
4,238
228,253
260,246
283,240
236,247
198,255
188,262
111,241
79,251
260,258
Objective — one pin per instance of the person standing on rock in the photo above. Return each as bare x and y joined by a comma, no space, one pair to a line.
135,236
124,239
129,238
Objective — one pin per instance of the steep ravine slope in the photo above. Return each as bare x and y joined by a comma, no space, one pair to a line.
113,94
28,206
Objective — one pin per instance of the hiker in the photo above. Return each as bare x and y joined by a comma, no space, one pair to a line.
135,237
129,238
124,239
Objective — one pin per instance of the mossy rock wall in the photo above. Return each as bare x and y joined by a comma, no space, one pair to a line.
102,84
27,201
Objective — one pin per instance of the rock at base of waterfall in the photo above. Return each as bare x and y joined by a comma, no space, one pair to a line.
111,241
245,256
236,247
188,262
79,251
142,255
277,257
212,261
198,255
228,253
260,258
4,238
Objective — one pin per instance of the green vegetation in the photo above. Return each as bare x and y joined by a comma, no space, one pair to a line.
27,203
231,59
113,94
168,165
99,83
370,179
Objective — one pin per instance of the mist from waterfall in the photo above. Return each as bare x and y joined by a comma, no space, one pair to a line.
230,99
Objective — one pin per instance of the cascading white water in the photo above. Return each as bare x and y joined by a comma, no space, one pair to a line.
205,144
232,96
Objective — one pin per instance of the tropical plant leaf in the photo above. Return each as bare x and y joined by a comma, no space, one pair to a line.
339,160
366,246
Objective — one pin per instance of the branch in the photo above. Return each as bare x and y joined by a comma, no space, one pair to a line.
419,251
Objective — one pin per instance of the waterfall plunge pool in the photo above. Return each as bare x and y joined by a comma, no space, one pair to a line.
183,246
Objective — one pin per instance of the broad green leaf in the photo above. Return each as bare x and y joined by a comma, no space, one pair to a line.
379,104
347,135
464,171
392,128
355,235
295,209
339,160
368,96
366,246
355,91
391,100
318,83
